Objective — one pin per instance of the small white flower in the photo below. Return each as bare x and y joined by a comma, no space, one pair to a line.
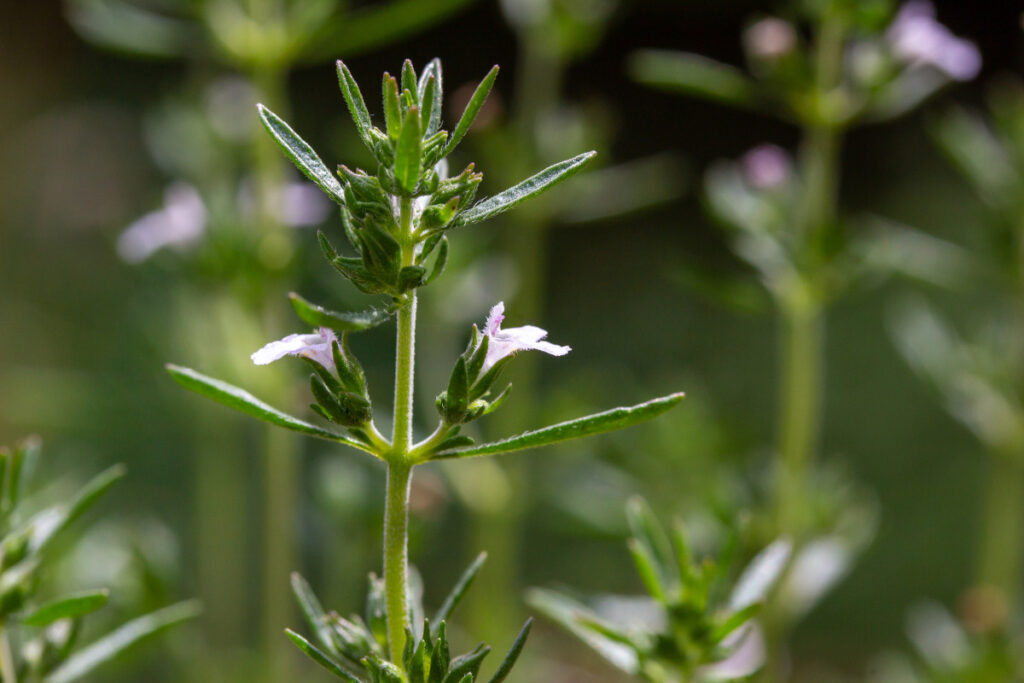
503,343
316,346
917,38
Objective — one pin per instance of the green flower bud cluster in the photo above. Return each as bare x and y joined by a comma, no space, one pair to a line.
341,396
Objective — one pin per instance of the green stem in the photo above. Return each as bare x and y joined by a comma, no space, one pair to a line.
396,556
802,361
396,510
999,556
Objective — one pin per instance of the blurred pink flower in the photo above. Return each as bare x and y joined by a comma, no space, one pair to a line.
179,224
766,166
503,343
917,38
770,38
316,346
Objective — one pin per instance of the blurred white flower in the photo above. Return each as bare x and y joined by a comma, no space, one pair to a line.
316,346
503,343
747,656
294,204
917,38
179,224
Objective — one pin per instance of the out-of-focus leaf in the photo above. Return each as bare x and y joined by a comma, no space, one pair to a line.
319,657
513,653
127,28
609,193
570,615
50,522
243,401
352,321
67,608
301,154
693,74
904,94
377,25
610,420
312,609
648,532
885,247
978,154
471,110
106,648
458,590
529,188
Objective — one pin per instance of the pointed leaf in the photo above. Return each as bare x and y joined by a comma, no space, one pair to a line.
459,590
513,653
409,152
734,621
646,530
243,401
301,154
392,110
569,614
319,657
471,110
351,321
356,105
69,607
610,420
693,74
47,524
529,188
109,646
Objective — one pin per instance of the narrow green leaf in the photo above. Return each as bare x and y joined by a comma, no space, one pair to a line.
459,590
72,606
610,420
646,568
409,82
431,89
471,110
130,29
734,621
649,532
301,154
352,321
319,657
529,188
243,401
109,646
467,665
392,110
440,261
50,522
513,653
693,74
409,152
356,105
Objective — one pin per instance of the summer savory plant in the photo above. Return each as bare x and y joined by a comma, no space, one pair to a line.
396,221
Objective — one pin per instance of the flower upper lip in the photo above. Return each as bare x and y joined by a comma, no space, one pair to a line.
503,343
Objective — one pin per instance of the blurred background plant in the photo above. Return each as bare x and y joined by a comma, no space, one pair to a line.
76,172
39,636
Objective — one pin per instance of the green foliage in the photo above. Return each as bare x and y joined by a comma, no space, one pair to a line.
354,649
38,640
695,617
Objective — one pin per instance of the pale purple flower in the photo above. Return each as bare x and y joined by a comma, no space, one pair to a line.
766,167
179,224
503,343
295,204
770,38
917,38
316,346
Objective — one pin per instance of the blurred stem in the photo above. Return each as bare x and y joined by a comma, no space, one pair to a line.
7,668
281,462
396,510
802,363
999,557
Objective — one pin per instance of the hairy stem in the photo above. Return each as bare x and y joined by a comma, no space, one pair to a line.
396,511
396,556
